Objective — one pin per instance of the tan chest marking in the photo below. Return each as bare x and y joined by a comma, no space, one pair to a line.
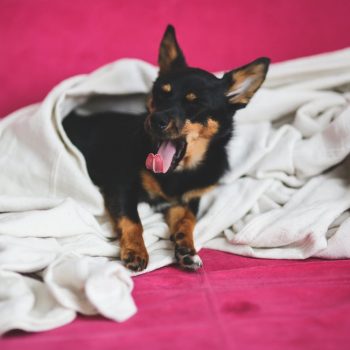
152,187
186,197
198,137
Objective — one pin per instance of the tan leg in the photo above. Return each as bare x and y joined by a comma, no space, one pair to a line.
181,223
133,250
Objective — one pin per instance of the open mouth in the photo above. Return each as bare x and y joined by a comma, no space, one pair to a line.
167,156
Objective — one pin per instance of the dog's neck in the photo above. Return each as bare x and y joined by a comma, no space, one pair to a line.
206,173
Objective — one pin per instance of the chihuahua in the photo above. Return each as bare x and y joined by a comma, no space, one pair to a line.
169,156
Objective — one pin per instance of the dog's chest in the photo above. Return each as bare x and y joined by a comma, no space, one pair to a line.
171,194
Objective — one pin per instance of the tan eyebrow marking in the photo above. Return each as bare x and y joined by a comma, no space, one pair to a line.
191,96
166,88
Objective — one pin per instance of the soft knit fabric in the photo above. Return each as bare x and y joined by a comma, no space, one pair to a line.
287,194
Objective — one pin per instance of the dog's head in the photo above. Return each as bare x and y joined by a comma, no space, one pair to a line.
189,108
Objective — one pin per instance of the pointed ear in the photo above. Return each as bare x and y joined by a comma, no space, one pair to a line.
170,55
242,83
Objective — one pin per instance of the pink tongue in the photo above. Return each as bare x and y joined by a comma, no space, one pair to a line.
160,162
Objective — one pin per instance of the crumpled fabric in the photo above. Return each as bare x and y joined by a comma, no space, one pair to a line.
287,194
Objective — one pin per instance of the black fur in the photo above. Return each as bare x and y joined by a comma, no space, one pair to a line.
115,146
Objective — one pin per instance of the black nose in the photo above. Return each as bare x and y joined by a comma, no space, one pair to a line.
160,121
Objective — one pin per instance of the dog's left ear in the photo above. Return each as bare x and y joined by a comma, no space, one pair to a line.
170,55
242,83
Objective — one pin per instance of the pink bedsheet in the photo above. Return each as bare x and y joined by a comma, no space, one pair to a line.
234,302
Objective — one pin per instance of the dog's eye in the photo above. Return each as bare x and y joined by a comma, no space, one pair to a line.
191,97
166,88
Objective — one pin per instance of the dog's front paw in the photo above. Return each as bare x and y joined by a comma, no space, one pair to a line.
187,258
135,259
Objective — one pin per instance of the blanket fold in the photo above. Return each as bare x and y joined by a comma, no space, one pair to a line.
286,196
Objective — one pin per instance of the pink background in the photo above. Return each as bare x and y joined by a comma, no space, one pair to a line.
45,41
233,302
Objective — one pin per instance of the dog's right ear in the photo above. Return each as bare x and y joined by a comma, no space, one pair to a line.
242,83
170,55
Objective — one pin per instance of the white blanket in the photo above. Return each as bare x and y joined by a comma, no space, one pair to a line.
286,196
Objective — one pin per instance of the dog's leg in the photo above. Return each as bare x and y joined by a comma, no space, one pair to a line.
133,251
181,220
122,207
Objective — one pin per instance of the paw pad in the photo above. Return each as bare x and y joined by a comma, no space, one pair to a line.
187,258
135,261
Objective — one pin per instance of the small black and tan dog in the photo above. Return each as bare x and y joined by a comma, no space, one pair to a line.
169,156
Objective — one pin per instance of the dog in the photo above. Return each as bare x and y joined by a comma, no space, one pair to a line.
169,156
